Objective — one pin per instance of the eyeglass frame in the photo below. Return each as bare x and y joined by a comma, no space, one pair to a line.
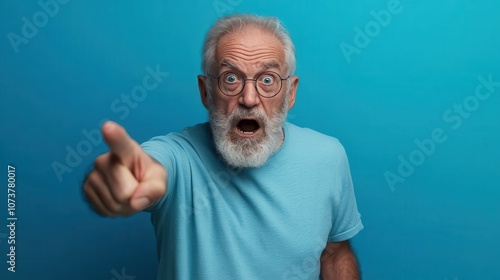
245,79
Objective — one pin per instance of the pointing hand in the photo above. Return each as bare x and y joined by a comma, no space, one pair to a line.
126,179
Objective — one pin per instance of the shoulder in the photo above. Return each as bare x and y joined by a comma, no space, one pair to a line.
313,141
177,144
188,135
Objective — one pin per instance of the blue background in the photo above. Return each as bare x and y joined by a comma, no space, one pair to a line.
440,221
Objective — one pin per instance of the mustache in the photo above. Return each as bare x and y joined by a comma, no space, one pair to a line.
248,113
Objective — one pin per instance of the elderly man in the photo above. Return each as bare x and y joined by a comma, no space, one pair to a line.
247,195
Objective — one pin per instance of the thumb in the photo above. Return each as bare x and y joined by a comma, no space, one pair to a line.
151,190
120,144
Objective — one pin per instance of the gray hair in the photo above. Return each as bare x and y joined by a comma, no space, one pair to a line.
233,23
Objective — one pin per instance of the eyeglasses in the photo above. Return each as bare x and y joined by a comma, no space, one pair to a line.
268,84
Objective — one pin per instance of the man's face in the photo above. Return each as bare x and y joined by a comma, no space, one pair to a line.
248,128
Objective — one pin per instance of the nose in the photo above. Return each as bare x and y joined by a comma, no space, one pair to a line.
249,97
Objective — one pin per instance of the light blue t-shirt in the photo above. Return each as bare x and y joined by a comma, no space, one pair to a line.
271,222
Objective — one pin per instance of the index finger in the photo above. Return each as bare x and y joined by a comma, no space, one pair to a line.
120,144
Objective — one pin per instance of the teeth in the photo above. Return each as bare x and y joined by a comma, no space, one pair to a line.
247,132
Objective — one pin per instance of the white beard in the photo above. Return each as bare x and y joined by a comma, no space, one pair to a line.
247,152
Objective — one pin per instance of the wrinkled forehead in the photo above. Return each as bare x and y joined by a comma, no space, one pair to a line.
250,49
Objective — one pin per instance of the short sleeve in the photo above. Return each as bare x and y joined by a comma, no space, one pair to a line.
346,218
162,149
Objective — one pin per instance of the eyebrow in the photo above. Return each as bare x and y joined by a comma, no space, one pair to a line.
266,65
228,64
272,64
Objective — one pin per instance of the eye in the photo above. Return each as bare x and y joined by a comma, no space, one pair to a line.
267,80
231,78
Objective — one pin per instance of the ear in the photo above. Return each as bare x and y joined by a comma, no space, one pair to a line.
293,90
203,90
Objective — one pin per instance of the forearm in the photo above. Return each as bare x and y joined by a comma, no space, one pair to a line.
339,263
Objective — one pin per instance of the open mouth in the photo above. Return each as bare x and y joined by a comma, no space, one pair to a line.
248,127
